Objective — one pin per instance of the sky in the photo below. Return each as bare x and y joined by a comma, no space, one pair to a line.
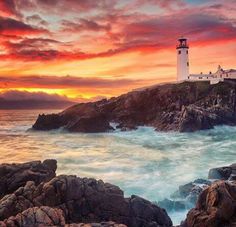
85,50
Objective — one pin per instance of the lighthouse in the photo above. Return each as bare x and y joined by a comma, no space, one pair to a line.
182,60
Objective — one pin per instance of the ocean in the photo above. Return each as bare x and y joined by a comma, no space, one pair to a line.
143,162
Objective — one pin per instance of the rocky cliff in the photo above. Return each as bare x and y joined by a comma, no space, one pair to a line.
184,107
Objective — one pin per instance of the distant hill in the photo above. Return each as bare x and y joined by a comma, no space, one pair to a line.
34,104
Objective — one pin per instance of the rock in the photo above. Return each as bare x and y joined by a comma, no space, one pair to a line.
85,200
189,193
102,224
47,216
194,118
92,124
13,176
222,173
202,181
36,216
215,207
49,122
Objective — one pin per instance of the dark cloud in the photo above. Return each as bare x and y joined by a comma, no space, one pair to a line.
15,95
9,26
65,6
65,82
84,25
163,31
36,19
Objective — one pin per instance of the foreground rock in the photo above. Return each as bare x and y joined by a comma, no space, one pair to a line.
164,107
47,216
215,207
13,176
223,173
185,197
81,200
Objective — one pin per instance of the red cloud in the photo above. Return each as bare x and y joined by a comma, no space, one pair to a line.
8,8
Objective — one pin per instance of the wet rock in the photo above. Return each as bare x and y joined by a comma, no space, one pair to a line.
85,200
215,207
189,193
222,173
92,124
13,176
194,118
49,122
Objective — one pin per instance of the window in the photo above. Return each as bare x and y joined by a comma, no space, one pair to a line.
200,77
179,51
186,51
187,63
188,77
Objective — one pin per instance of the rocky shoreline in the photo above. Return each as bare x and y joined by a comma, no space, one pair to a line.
183,107
32,195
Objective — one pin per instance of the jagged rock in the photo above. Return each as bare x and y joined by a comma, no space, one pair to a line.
85,200
92,124
47,216
215,207
223,173
102,224
165,107
188,194
13,176
49,122
36,216
194,118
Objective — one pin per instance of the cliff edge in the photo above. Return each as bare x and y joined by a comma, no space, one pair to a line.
183,107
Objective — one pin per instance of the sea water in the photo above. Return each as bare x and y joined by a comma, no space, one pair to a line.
143,162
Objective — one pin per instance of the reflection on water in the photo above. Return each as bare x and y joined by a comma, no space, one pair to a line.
141,162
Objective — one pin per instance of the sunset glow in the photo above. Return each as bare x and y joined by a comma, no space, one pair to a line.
86,49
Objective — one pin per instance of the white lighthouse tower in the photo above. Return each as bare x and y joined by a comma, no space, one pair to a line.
182,60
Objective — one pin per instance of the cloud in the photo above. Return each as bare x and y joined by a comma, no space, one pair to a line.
63,7
124,29
84,25
9,26
8,8
65,82
164,4
36,20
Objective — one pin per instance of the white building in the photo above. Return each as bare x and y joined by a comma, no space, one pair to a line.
183,67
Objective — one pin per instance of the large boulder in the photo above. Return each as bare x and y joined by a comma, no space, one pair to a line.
13,176
223,173
49,122
85,200
215,207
